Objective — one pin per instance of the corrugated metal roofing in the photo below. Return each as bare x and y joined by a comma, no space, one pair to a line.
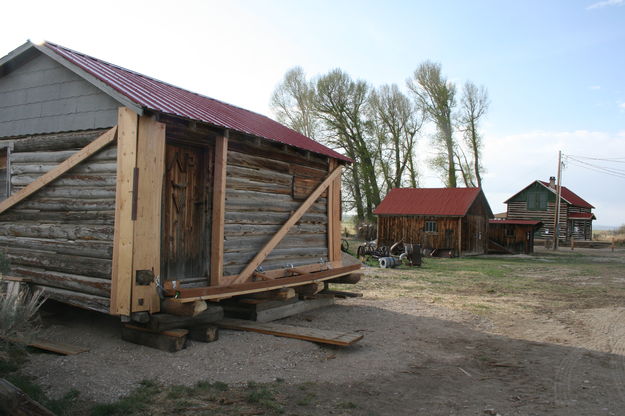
428,201
571,196
159,96
583,215
515,222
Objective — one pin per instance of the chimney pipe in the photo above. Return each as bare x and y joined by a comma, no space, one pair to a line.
552,182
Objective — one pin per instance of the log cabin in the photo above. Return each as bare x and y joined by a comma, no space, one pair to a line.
453,219
537,201
118,189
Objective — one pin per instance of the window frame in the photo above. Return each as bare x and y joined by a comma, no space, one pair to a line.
430,227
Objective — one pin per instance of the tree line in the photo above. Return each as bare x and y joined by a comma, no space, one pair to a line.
378,127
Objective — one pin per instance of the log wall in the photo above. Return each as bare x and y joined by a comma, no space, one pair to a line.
517,238
517,210
265,183
61,237
411,229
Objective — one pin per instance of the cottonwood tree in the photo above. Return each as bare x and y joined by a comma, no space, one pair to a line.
340,103
436,97
293,103
473,106
395,121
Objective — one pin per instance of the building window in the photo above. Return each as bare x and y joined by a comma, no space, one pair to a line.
509,231
430,227
537,201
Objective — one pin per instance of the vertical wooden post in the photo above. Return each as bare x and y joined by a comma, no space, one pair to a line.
219,209
459,236
147,228
334,214
121,284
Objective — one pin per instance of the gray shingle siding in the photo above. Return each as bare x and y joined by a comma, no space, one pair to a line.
42,96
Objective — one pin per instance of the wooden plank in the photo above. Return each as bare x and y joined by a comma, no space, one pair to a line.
219,209
63,167
334,218
121,285
147,227
284,311
192,294
15,402
163,321
339,338
275,240
56,347
331,224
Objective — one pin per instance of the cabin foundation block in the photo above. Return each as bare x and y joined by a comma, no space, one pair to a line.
170,341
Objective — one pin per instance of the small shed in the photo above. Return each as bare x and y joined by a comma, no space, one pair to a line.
512,236
454,219
537,201
119,186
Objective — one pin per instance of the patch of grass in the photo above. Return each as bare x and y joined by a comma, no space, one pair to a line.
134,403
306,400
263,396
176,392
347,405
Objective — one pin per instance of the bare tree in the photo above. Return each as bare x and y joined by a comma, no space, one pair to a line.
436,97
340,103
293,103
473,107
394,122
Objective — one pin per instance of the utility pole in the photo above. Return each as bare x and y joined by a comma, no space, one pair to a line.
556,231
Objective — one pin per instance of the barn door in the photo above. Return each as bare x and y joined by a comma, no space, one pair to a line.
185,244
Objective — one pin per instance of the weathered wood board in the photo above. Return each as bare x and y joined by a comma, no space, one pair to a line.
321,336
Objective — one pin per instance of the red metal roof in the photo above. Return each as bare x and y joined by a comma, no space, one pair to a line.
584,215
515,222
571,196
428,201
155,95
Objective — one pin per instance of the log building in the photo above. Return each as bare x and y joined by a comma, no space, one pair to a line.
116,186
436,218
512,236
537,201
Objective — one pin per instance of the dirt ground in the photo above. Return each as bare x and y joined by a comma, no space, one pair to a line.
518,335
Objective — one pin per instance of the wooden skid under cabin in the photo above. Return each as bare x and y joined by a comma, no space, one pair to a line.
116,188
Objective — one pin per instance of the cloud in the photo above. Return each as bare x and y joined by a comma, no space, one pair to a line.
594,87
621,105
606,3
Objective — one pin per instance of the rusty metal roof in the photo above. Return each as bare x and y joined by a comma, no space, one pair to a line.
429,201
582,215
151,94
514,222
569,196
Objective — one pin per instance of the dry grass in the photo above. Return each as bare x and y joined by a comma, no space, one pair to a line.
491,284
18,310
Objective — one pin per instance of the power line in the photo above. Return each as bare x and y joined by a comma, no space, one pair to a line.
611,171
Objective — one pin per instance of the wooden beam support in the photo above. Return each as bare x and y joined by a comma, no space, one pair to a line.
193,294
123,239
277,237
219,210
60,169
150,165
334,214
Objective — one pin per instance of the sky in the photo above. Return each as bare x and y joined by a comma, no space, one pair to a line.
554,70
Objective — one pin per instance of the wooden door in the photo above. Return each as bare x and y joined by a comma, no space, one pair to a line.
186,206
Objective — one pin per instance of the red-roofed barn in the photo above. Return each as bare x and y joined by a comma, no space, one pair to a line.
113,183
436,218
537,202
